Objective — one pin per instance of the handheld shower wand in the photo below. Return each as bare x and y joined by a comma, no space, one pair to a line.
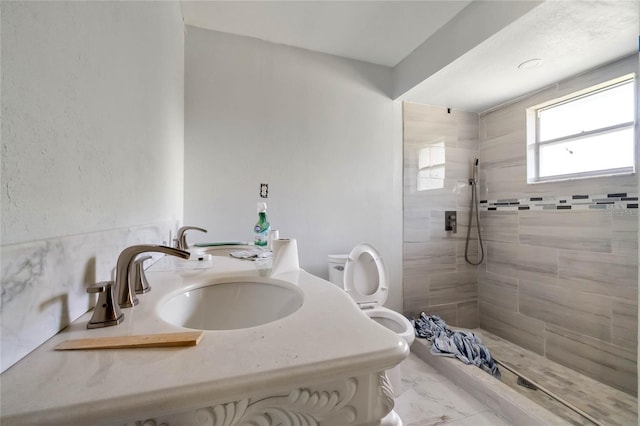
474,196
474,180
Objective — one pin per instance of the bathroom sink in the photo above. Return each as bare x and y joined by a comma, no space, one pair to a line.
232,304
222,250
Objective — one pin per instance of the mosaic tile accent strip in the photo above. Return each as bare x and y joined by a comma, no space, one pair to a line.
620,200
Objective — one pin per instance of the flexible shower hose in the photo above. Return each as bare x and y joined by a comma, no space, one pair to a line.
474,204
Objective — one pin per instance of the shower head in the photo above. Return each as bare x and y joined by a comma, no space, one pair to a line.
474,176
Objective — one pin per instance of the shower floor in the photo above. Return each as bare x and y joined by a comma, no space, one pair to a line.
605,404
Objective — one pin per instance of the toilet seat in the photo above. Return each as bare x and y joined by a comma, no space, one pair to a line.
365,277
394,321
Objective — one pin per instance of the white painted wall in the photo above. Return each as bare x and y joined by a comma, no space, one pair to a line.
92,152
93,116
319,129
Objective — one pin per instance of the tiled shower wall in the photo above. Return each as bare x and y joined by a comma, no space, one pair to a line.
560,281
437,279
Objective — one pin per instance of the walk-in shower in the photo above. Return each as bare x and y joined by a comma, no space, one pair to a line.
475,204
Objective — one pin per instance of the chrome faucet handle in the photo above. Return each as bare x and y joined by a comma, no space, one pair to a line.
126,294
181,236
140,283
106,312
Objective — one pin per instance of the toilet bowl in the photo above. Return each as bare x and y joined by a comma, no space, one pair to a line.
363,276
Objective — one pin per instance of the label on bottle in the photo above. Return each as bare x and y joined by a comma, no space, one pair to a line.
261,229
260,236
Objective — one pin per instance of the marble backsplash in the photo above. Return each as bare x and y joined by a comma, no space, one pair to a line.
44,282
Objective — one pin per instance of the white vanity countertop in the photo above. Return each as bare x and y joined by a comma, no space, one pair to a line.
327,338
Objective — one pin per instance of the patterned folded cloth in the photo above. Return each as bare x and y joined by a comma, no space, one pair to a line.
464,345
252,254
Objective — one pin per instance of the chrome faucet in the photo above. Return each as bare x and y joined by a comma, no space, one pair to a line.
181,236
123,286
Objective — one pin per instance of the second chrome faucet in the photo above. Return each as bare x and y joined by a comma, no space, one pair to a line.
123,285
181,236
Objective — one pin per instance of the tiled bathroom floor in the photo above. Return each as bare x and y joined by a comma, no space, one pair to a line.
429,398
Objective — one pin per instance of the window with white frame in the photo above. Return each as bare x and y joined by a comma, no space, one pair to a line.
586,134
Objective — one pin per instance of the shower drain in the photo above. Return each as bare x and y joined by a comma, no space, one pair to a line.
527,384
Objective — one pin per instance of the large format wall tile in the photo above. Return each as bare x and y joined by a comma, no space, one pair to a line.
515,327
473,254
537,262
624,232
604,185
436,256
467,314
503,151
434,199
624,321
601,273
521,261
498,290
416,223
449,313
499,226
610,364
501,122
415,290
503,182
582,230
584,313
502,258
453,287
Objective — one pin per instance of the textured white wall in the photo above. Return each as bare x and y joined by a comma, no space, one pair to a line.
92,152
319,129
92,116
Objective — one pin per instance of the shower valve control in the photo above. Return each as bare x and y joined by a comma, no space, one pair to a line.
451,221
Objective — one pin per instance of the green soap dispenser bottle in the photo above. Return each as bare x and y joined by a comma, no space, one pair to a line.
262,226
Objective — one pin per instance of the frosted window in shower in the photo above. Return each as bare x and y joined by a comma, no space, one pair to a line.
431,166
589,133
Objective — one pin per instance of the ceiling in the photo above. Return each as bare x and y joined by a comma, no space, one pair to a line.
380,32
569,37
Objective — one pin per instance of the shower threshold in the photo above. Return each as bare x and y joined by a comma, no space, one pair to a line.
592,402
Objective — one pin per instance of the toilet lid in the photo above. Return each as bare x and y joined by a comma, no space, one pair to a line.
365,277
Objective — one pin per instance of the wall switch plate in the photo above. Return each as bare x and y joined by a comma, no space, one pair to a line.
264,190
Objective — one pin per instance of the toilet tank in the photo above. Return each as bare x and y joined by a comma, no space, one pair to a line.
336,268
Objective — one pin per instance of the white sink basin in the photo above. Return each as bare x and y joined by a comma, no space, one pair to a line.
232,304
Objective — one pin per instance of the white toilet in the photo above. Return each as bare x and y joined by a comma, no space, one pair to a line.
363,276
